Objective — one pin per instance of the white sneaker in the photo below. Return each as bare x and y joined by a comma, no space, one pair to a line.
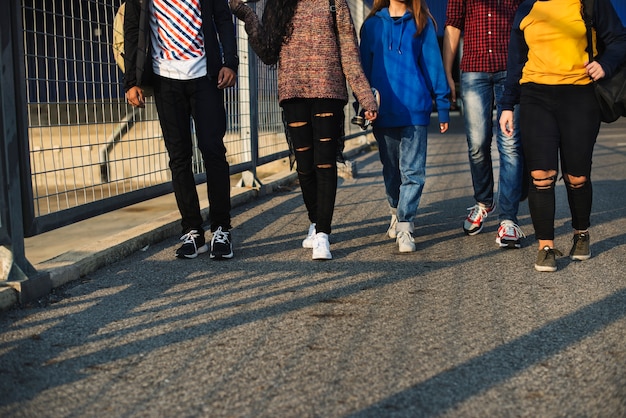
391,231
310,238
406,243
321,247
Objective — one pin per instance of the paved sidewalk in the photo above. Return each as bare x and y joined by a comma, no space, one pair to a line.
458,329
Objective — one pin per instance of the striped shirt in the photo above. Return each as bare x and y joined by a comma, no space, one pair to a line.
178,39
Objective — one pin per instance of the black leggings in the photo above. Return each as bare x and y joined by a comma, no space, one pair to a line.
315,125
559,121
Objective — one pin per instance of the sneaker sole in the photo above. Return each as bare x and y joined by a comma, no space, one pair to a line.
508,244
545,268
580,257
307,243
221,256
200,250
322,257
474,232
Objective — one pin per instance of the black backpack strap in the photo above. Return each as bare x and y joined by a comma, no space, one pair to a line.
587,6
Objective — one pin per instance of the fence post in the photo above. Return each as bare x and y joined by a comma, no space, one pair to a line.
248,106
16,271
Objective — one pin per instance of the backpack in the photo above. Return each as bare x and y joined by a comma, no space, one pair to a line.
118,37
610,92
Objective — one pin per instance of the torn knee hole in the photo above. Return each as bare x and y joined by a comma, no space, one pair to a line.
324,115
576,185
297,124
576,182
325,139
324,166
303,149
544,183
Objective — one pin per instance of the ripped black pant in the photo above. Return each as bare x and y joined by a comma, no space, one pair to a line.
558,122
315,126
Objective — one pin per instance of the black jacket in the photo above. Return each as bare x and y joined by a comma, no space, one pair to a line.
217,21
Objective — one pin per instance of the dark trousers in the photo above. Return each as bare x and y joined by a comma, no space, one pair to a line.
177,103
315,126
559,123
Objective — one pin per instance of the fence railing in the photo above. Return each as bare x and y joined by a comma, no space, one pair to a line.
88,151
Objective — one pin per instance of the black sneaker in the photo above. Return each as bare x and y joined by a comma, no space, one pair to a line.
546,259
580,249
193,244
221,247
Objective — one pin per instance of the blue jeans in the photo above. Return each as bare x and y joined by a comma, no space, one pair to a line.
479,91
402,151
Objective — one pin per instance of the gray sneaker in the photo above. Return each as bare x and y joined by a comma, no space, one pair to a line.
546,259
580,249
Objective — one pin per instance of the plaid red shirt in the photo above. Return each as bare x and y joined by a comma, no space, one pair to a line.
487,28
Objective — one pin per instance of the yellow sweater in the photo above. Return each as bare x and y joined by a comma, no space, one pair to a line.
555,33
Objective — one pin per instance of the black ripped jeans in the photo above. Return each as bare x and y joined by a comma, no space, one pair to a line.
315,126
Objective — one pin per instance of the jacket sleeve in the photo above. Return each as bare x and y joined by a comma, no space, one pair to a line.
432,67
351,58
255,31
131,38
517,57
223,19
365,49
612,36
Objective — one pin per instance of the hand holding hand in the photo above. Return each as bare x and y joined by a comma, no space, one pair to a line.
370,115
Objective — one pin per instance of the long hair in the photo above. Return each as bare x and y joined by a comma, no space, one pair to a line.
419,8
278,27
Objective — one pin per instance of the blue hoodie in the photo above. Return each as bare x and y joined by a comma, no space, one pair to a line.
406,70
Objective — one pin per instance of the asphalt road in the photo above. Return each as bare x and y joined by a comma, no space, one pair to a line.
458,329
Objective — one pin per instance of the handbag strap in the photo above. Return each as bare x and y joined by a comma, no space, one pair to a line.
587,6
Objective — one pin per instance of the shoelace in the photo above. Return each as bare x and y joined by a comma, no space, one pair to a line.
579,240
405,235
320,243
190,238
477,212
220,236
512,229
547,250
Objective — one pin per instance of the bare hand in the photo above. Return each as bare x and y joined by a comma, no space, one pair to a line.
135,97
370,115
443,127
506,122
226,78
594,70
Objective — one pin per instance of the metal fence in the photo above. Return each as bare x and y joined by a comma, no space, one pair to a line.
88,151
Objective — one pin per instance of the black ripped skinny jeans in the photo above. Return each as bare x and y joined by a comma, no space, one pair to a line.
559,122
315,125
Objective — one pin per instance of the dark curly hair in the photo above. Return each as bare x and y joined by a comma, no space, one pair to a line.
278,27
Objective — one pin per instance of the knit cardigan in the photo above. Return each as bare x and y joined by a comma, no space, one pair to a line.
310,64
